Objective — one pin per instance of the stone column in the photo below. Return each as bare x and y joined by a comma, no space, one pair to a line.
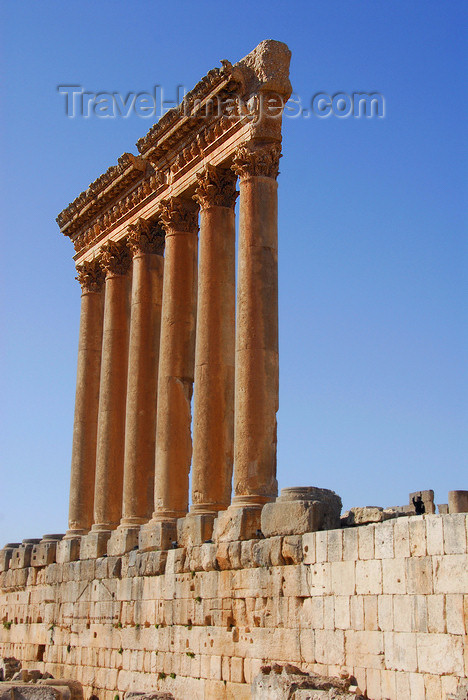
213,423
83,467
176,372
256,393
146,242
112,401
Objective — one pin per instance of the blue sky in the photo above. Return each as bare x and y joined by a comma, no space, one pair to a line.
373,257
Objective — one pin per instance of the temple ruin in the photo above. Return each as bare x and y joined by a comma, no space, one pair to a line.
156,589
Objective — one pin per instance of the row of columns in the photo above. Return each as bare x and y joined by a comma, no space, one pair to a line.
155,320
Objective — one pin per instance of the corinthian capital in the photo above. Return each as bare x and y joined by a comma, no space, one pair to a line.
145,237
115,258
257,160
178,214
216,187
90,275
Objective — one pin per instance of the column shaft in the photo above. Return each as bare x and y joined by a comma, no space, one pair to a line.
176,361
112,398
83,465
145,329
256,399
213,436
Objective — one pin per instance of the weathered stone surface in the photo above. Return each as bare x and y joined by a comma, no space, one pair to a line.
292,518
237,523
366,514
20,691
132,695
68,549
422,501
160,535
458,502
195,529
8,667
283,682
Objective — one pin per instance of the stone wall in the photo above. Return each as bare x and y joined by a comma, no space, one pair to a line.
386,602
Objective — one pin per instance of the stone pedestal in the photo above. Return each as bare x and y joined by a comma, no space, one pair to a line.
21,556
195,530
68,550
176,364
91,278
94,544
213,423
458,501
44,552
238,523
422,502
157,536
112,396
123,540
256,396
6,554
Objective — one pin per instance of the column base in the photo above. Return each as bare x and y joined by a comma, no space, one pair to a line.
123,540
68,549
157,536
238,523
94,544
195,529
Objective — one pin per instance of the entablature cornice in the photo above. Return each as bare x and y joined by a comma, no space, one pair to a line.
207,127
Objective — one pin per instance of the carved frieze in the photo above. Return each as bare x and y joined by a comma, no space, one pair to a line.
145,237
216,187
91,276
254,160
116,257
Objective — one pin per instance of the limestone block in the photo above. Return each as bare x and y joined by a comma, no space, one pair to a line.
20,691
450,573
261,552
292,517
417,536
222,556
383,541
401,542
394,576
455,538
434,534
364,515
247,559
123,540
436,621
458,502
309,548
321,546
350,544
342,615
208,557
5,555
365,648
330,647
94,544
366,542
343,577
159,536
455,613
440,654
74,688
175,562
319,579
68,550
419,575
21,556
385,613
195,529
292,549
237,523
369,577
357,612
442,508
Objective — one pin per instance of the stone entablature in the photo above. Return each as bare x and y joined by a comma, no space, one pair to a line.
385,603
231,106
